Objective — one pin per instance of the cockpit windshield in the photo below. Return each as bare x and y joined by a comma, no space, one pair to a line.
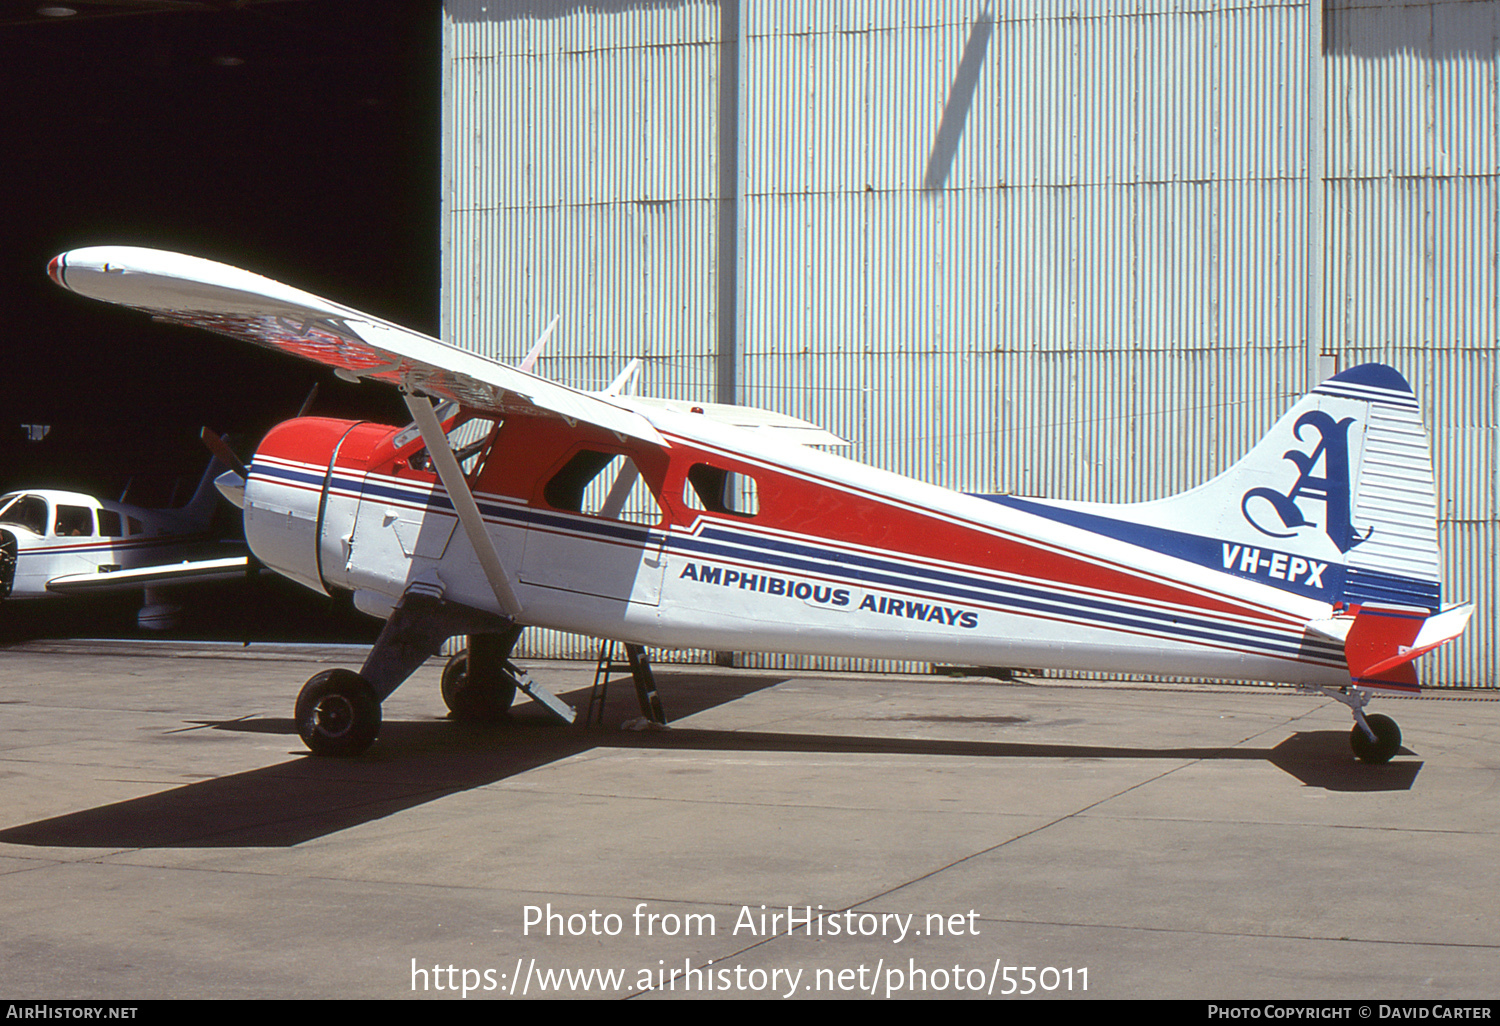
444,411
28,511
467,438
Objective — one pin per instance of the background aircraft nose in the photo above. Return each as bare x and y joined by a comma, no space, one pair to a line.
55,269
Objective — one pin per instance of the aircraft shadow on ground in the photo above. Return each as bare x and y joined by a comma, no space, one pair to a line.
419,762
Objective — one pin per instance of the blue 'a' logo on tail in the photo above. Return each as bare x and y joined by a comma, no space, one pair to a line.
1332,489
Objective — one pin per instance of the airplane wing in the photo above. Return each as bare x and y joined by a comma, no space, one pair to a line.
205,294
197,571
781,425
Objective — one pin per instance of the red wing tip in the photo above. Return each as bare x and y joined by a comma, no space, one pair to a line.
55,270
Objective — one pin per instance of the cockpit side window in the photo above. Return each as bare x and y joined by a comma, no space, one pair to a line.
109,524
74,521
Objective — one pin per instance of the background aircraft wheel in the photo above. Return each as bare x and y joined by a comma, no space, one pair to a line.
1386,744
8,553
338,713
477,701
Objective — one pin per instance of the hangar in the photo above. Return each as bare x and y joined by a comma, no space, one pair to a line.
1079,248
1086,249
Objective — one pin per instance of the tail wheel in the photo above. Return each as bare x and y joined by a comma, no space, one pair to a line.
1386,744
484,700
338,713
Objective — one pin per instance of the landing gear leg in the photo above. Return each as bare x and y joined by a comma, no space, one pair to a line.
338,711
1375,738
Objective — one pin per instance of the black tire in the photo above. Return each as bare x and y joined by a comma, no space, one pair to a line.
338,714
1386,744
476,701
8,552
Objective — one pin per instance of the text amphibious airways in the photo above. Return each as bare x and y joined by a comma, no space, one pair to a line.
827,595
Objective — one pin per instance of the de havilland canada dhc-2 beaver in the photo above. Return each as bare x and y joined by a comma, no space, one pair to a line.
514,501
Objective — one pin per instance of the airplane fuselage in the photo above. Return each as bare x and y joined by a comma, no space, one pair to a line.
728,540
1313,559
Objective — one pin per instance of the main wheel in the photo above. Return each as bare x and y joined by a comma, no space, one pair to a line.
1386,744
338,713
486,700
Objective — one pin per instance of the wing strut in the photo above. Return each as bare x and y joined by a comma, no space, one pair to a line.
464,505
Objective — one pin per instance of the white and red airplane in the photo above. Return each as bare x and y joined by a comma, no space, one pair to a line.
520,502
58,543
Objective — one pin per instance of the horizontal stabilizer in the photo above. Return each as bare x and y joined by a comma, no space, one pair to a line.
1334,628
1383,640
191,572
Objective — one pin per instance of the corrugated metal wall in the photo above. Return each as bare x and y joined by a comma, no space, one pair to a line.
1055,248
1413,164
580,156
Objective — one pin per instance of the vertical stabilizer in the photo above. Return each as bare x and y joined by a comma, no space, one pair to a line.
1335,502
199,511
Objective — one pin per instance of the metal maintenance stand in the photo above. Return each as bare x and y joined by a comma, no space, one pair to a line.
640,671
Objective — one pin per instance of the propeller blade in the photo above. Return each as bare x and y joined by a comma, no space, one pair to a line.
312,395
226,456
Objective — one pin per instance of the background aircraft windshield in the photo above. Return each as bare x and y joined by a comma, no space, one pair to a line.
28,511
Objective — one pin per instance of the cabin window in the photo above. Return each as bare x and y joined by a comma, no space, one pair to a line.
134,525
717,490
603,484
109,524
74,521
29,511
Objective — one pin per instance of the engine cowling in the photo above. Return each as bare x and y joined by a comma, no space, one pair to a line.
287,494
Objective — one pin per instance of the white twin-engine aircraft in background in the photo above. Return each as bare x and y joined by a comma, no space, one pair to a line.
517,501
59,543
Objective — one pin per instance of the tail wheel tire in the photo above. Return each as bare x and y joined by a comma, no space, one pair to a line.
1386,744
338,714
476,701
